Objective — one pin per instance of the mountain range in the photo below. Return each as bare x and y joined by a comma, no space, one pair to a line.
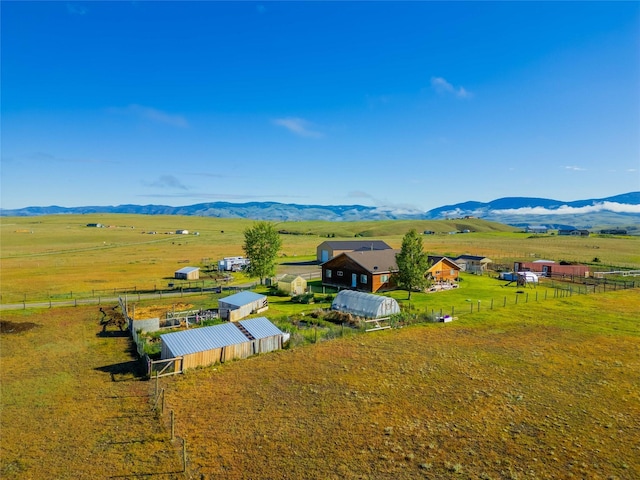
619,211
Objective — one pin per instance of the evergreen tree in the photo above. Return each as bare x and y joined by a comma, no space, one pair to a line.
413,263
261,245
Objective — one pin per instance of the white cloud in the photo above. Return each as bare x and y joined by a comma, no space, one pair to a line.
574,168
442,86
152,114
167,181
567,210
76,9
299,126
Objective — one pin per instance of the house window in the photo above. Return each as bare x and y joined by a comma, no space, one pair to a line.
363,278
451,272
339,272
328,274
384,278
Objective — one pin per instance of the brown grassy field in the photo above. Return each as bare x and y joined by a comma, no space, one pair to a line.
545,389
62,414
550,391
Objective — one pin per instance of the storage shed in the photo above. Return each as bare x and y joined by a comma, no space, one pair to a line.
364,304
264,335
206,345
187,273
292,284
242,304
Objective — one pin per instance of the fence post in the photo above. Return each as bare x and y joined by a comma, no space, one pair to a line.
516,298
526,298
478,305
184,455
504,304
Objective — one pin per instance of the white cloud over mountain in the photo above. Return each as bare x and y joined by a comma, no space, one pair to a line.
567,210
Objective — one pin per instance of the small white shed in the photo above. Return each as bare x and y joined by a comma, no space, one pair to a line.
292,284
242,304
365,305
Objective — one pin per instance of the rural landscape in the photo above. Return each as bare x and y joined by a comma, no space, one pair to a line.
526,381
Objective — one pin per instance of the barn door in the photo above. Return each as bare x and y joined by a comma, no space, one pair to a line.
324,256
354,280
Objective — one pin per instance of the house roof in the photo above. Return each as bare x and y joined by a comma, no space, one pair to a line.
475,258
242,298
188,269
375,261
202,339
260,327
446,260
357,245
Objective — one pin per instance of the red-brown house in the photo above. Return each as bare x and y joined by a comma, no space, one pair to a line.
365,271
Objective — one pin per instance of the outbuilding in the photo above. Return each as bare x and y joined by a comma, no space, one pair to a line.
206,345
264,335
242,304
187,273
292,284
220,343
332,248
364,304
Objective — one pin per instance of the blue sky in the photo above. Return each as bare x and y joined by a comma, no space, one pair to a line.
401,105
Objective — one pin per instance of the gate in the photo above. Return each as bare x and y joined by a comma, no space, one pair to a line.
163,368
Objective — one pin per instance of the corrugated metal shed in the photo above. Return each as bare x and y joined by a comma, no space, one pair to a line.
260,327
364,304
242,298
187,270
200,339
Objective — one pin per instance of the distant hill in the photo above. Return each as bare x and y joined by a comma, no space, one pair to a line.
619,211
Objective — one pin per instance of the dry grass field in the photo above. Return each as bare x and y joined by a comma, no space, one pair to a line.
72,406
551,391
547,389
60,257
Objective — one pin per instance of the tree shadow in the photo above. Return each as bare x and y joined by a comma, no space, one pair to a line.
112,333
133,370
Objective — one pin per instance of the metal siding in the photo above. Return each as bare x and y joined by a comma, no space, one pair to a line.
260,327
201,339
242,298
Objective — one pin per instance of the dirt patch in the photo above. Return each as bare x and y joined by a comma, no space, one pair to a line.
160,311
16,327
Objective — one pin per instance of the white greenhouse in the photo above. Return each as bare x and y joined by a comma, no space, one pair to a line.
365,305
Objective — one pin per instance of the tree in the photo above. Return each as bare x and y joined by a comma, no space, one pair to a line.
261,245
413,263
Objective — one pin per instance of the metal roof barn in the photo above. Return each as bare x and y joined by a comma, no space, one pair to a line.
242,304
206,345
188,273
219,343
365,305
